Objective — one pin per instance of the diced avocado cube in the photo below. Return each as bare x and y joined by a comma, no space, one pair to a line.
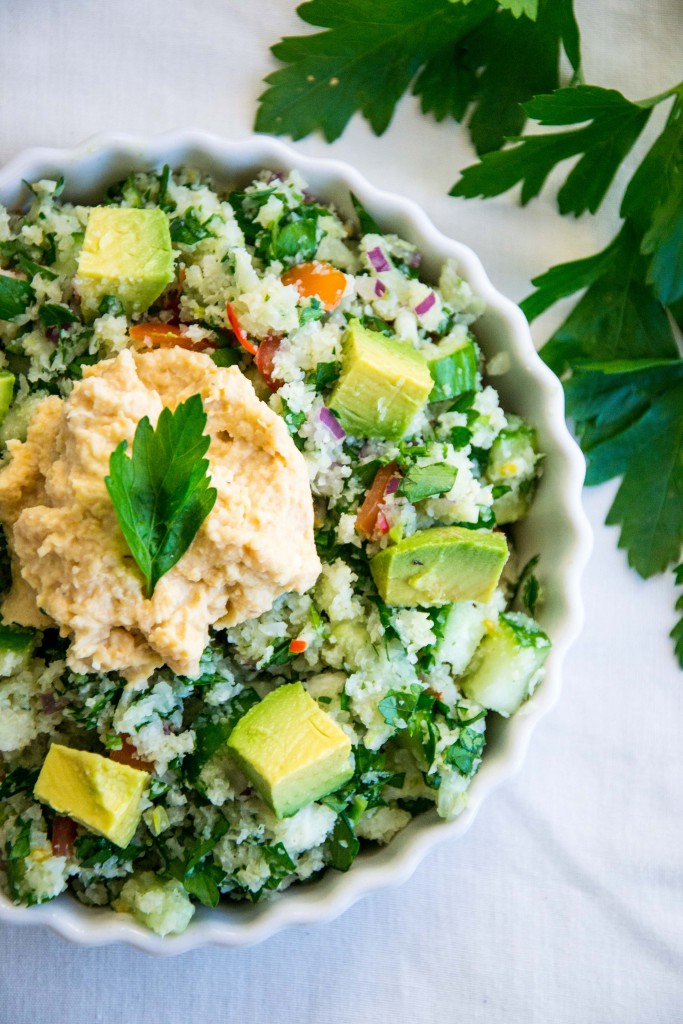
101,794
507,664
440,565
126,253
16,647
291,750
454,368
383,384
6,392
511,468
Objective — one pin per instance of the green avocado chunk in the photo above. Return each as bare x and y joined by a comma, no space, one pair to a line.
126,253
291,750
454,368
440,565
507,664
383,384
6,392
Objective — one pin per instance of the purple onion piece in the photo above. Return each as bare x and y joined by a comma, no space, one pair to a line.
426,304
332,423
52,334
378,260
49,703
392,486
379,289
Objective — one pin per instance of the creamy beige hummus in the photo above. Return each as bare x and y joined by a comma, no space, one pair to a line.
71,565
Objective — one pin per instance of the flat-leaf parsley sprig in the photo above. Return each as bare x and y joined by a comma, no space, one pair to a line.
617,350
161,492
459,57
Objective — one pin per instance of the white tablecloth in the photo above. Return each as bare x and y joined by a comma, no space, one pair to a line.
563,902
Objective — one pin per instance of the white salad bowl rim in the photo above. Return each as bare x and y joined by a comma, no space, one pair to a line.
563,525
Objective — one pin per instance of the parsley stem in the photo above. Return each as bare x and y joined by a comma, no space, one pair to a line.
653,101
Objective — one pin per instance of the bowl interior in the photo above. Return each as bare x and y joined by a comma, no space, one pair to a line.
556,527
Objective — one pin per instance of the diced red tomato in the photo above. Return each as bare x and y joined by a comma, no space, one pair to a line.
368,520
317,280
237,330
160,335
264,360
63,836
297,646
127,754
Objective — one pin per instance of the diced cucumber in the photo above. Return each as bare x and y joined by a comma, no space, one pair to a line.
463,631
453,365
7,380
353,642
507,665
16,421
16,647
511,468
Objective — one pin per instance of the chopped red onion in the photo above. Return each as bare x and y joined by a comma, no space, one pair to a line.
392,486
332,423
426,304
378,260
415,260
49,703
52,334
379,289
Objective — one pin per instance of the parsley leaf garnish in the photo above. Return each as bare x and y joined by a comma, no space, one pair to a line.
450,54
616,350
16,296
629,418
162,492
613,126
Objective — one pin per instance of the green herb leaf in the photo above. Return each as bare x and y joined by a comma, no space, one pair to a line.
297,239
56,314
111,305
364,62
280,863
613,126
618,317
188,229
326,374
93,851
342,846
503,63
654,202
202,883
313,311
368,224
422,482
464,754
677,632
162,493
479,52
19,780
16,296
630,423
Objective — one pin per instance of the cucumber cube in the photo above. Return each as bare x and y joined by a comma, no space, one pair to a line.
508,663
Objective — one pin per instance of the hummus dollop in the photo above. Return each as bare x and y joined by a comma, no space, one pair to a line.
71,565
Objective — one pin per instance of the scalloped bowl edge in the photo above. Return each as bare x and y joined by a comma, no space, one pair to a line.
557,525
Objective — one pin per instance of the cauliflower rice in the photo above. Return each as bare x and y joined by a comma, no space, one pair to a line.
391,678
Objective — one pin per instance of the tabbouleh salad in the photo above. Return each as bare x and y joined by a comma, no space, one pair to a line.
315,311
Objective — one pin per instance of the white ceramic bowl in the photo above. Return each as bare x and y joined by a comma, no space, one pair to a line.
556,528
